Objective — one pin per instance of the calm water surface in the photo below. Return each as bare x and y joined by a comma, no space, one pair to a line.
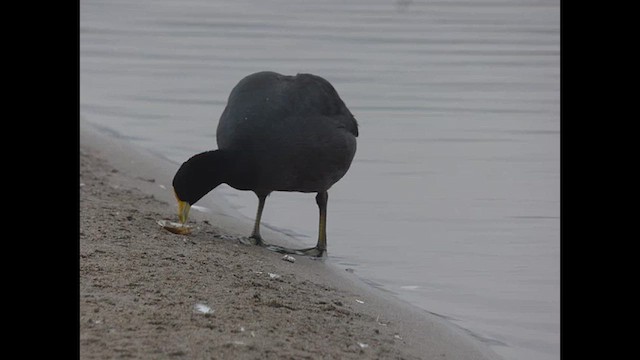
452,202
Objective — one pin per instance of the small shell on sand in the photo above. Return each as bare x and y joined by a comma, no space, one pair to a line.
174,227
289,258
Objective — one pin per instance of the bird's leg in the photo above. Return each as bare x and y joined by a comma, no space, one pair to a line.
255,235
256,238
321,247
321,199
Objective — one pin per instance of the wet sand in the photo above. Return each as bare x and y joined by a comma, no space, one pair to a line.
149,293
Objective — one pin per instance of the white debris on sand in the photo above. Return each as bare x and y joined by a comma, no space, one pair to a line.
289,258
203,309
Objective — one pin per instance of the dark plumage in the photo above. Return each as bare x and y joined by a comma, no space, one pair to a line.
277,133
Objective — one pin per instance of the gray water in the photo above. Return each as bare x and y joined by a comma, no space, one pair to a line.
452,202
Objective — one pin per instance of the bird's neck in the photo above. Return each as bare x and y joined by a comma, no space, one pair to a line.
235,168
241,171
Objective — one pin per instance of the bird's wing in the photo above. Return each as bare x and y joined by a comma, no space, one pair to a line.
316,95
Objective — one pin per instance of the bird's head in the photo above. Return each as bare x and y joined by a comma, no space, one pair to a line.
195,178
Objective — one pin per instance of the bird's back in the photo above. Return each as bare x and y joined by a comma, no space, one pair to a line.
296,126
261,101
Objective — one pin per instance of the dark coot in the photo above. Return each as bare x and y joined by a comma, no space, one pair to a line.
277,133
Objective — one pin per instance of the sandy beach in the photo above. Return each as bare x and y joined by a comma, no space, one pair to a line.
148,293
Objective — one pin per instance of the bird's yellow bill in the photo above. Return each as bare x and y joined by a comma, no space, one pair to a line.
183,208
183,211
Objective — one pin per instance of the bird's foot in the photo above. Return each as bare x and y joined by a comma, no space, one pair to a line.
253,240
313,252
257,240
278,248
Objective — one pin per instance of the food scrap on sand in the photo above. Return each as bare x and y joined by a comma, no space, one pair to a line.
174,227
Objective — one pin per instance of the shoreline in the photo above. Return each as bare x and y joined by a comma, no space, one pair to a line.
145,292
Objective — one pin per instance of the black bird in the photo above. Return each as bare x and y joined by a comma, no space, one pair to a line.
277,133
